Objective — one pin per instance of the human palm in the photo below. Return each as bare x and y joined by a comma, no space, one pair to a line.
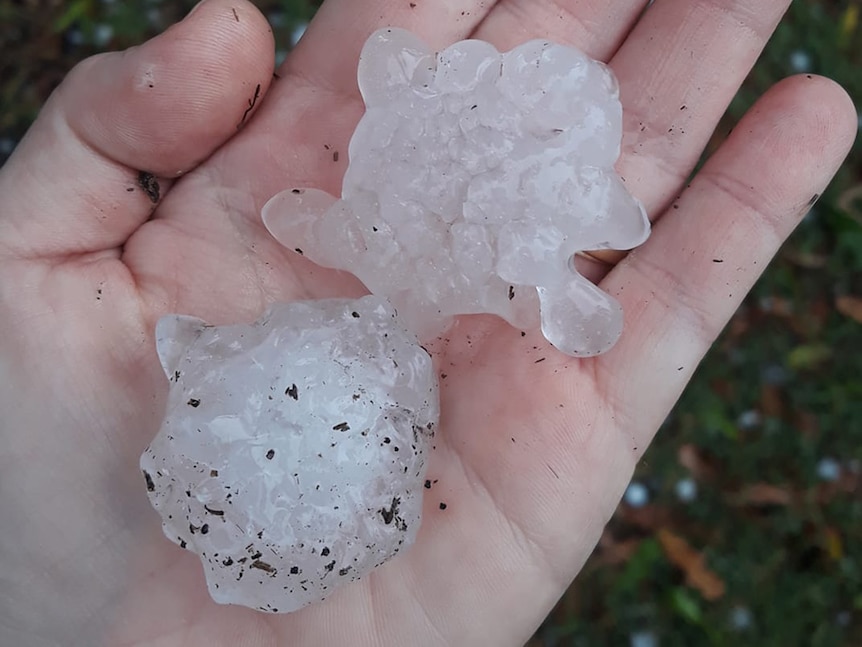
535,448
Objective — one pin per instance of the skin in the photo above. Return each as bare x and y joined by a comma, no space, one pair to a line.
532,458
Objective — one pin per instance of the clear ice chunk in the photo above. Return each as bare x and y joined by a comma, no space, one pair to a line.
293,452
521,144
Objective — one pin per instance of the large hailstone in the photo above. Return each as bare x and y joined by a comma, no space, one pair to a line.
292,455
474,178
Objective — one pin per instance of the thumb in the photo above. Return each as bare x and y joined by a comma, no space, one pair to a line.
106,145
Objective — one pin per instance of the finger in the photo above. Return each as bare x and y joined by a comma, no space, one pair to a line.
327,54
678,71
318,89
680,289
100,156
593,26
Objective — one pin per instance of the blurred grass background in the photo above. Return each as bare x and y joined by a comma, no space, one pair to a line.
743,524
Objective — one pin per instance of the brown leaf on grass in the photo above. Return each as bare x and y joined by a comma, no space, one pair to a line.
615,551
847,484
692,563
850,201
771,401
726,389
806,259
763,494
739,325
648,517
819,310
850,307
807,423
691,458
777,306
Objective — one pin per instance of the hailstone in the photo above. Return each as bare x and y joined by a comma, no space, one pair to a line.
292,454
474,178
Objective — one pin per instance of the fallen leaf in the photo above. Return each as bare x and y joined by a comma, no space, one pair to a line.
763,494
818,313
648,517
807,260
850,307
849,202
833,543
848,483
807,423
808,356
613,551
739,325
692,563
777,306
771,401
724,388
690,457
849,23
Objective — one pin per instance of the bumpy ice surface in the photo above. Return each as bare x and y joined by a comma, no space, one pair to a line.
292,456
474,178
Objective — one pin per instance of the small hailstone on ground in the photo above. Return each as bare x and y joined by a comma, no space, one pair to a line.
292,455
775,375
828,469
474,178
636,495
102,34
800,61
749,419
154,17
741,618
74,36
686,490
643,639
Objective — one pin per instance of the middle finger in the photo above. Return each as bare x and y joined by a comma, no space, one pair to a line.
596,27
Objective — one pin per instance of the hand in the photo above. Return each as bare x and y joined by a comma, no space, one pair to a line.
138,193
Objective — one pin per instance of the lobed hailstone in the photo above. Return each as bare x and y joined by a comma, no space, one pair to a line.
474,178
292,454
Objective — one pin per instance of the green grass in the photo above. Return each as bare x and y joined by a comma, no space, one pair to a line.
780,392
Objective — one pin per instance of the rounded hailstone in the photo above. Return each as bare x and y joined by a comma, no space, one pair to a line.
474,178
292,454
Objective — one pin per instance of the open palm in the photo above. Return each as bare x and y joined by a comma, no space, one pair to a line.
138,193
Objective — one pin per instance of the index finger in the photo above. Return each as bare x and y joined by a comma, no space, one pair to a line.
299,135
